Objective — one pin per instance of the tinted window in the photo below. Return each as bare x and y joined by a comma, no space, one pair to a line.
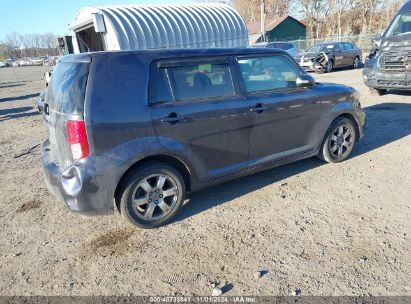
400,25
268,73
197,81
339,47
67,87
322,48
348,46
159,89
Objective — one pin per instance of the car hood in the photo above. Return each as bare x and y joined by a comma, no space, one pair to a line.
396,41
310,55
335,88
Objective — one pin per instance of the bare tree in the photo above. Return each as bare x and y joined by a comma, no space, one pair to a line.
315,13
339,8
12,45
29,45
250,9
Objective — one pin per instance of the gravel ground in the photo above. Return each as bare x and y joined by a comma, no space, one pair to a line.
322,229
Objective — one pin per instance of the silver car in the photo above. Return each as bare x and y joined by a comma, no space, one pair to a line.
289,47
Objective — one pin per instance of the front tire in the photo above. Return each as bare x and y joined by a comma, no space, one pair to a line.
339,141
152,195
330,66
356,63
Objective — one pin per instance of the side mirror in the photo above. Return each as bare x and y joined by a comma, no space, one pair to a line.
305,81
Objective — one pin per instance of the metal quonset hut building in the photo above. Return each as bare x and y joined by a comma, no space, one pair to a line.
157,26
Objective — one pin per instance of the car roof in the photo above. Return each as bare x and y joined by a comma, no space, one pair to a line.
260,43
333,43
174,53
406,7
281,42
328,43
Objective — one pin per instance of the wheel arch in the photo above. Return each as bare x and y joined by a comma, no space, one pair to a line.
172,161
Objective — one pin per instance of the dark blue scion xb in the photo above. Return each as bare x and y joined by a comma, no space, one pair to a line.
137,130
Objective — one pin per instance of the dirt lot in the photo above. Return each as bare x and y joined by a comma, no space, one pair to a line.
324,229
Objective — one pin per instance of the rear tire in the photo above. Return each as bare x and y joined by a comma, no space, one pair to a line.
339,141
152,195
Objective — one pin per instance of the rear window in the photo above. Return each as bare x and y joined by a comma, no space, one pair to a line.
67,87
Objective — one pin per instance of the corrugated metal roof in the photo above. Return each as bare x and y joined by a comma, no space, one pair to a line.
174,26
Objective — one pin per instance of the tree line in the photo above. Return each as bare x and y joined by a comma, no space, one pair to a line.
324,18
337,18
15,45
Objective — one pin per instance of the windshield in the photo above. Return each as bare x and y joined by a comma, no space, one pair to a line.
400,25
321,48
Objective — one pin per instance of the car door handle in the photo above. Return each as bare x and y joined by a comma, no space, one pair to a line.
46,109
259,108
172,118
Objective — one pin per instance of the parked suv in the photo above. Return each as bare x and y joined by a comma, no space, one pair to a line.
389,64
137,130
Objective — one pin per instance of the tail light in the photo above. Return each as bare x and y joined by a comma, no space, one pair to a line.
77,136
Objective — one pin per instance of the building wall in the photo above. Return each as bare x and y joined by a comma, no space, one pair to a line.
289,29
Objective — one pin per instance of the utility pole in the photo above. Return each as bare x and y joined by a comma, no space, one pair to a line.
262,18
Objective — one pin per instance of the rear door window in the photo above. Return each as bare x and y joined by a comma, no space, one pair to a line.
201,81
67,87
190,80
159,89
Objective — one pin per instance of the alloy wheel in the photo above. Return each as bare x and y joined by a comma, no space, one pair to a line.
356,62
330,66
341,141
154,197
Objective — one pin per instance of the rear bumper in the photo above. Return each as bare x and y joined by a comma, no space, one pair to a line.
378,79
86,186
